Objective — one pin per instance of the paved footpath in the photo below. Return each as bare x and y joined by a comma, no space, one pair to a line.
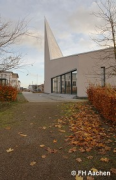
42,97
31,125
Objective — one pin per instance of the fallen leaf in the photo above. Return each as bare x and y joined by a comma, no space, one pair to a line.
42,145
102,151
43,156
94,170
60,148
104,159
88,149
9,150
51,150
90,178
79,177
59,121
23,135
74,149
54,141
89,157
8,128
32,163
59,126
114,150
107,148
60,130
82,149
113,170
65,157
79,160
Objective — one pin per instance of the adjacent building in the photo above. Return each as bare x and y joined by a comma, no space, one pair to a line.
73,74
36,88
9,78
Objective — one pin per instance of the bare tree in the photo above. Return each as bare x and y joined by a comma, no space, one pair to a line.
106,34
9,35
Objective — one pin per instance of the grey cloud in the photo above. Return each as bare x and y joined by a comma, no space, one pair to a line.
83,21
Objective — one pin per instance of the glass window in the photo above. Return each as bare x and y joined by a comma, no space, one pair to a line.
59,84
68,83
74,79
63,84
55,84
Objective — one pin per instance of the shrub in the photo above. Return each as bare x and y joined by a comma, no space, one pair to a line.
104,100
8,93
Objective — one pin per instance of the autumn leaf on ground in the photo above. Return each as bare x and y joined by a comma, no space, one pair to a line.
9,150
94,170
78,177
89,157
109,141
113,170
23,135
79,160
65,157
43,156
51,150
102,151
74,149
54,141
8,128
60,130
104,159
88,149
81,149
114,150
58,126
107,148
32,163
42,145
59,121
60,148
44,127
90,178
86,132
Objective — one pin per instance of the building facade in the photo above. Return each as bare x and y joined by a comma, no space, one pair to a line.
9,78
73,74
36,88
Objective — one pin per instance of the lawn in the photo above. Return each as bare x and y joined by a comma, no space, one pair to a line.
51,140
7,110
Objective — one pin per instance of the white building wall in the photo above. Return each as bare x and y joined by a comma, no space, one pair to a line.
88,66
7,76
13,81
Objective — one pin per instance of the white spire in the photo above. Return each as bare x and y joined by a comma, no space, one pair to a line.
54,49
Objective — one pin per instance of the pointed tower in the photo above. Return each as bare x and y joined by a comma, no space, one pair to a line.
50,41
51,51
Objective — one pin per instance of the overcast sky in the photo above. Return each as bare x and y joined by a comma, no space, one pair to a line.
72,24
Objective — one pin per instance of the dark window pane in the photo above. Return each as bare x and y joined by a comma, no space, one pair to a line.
74,79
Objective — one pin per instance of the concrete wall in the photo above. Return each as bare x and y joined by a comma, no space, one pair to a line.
88,70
